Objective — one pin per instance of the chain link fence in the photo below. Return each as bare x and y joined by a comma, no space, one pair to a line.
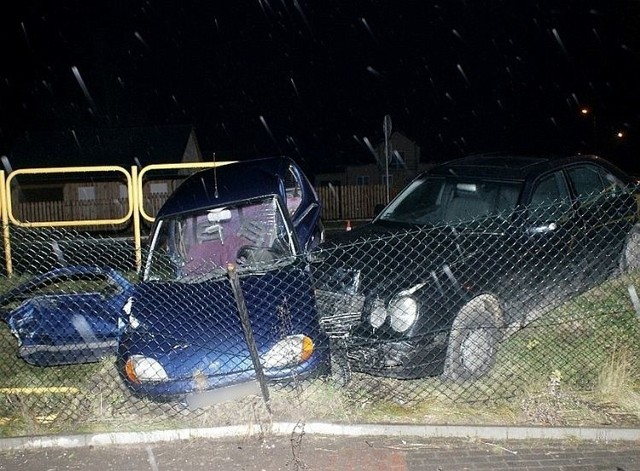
484,322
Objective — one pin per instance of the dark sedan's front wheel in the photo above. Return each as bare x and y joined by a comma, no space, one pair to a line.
473,339
630,257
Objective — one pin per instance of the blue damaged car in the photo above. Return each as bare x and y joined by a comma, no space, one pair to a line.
183,334
177,332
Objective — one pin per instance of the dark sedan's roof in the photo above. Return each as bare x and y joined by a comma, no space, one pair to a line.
509,167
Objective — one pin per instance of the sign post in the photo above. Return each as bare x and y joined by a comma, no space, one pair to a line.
386,127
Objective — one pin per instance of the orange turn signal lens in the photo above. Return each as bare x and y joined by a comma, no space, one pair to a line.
307,348
130,371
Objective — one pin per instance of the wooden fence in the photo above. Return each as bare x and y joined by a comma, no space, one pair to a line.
339,203
103,208
352,202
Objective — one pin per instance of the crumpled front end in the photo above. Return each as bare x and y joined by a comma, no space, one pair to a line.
395,358
399,337
194,342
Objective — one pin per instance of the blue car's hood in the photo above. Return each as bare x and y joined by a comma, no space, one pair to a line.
406,255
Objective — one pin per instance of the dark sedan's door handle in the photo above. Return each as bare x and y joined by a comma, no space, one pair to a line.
552,226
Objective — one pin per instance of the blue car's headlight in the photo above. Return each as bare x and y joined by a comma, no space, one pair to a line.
289,351
141,369
403,312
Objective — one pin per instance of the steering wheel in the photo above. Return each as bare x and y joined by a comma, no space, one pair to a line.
252,254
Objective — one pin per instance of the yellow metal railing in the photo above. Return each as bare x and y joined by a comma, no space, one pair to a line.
69,170
135,196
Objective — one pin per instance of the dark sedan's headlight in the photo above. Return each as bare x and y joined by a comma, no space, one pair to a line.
378,314
403,312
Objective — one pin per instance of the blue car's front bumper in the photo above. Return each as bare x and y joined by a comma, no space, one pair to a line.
181,388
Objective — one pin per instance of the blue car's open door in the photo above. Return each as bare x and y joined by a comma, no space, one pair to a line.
68,315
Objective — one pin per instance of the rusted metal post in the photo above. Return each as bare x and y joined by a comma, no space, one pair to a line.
248,332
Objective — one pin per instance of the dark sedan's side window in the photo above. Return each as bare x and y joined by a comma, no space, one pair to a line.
550,198
590,181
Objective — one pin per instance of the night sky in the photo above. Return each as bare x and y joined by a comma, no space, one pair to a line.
314,79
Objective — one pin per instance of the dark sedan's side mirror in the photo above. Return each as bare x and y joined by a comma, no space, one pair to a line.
377,209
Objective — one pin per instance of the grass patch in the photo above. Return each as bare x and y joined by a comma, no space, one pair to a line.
618,381
577,365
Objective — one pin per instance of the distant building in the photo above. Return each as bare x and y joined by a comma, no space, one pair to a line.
109,146
404,164
89,195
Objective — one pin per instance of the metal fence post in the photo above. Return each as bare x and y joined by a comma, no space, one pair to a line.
6,236
135,197
248,332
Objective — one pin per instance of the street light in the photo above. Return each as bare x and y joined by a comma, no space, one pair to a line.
589,112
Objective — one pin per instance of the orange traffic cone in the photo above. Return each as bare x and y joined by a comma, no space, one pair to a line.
348,224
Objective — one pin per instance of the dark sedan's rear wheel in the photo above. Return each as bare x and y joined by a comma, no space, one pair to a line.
473,340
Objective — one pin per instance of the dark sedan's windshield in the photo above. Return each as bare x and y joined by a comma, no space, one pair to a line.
434,201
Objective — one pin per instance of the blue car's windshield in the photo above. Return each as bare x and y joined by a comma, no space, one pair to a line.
192,245
435,201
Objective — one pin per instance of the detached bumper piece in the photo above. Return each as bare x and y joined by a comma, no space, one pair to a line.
406,359
67,354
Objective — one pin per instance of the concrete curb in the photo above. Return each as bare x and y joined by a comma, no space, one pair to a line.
500,433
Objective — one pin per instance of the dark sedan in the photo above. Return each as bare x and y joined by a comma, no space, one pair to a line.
472,249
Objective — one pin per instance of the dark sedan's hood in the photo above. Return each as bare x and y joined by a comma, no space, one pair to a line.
387,258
